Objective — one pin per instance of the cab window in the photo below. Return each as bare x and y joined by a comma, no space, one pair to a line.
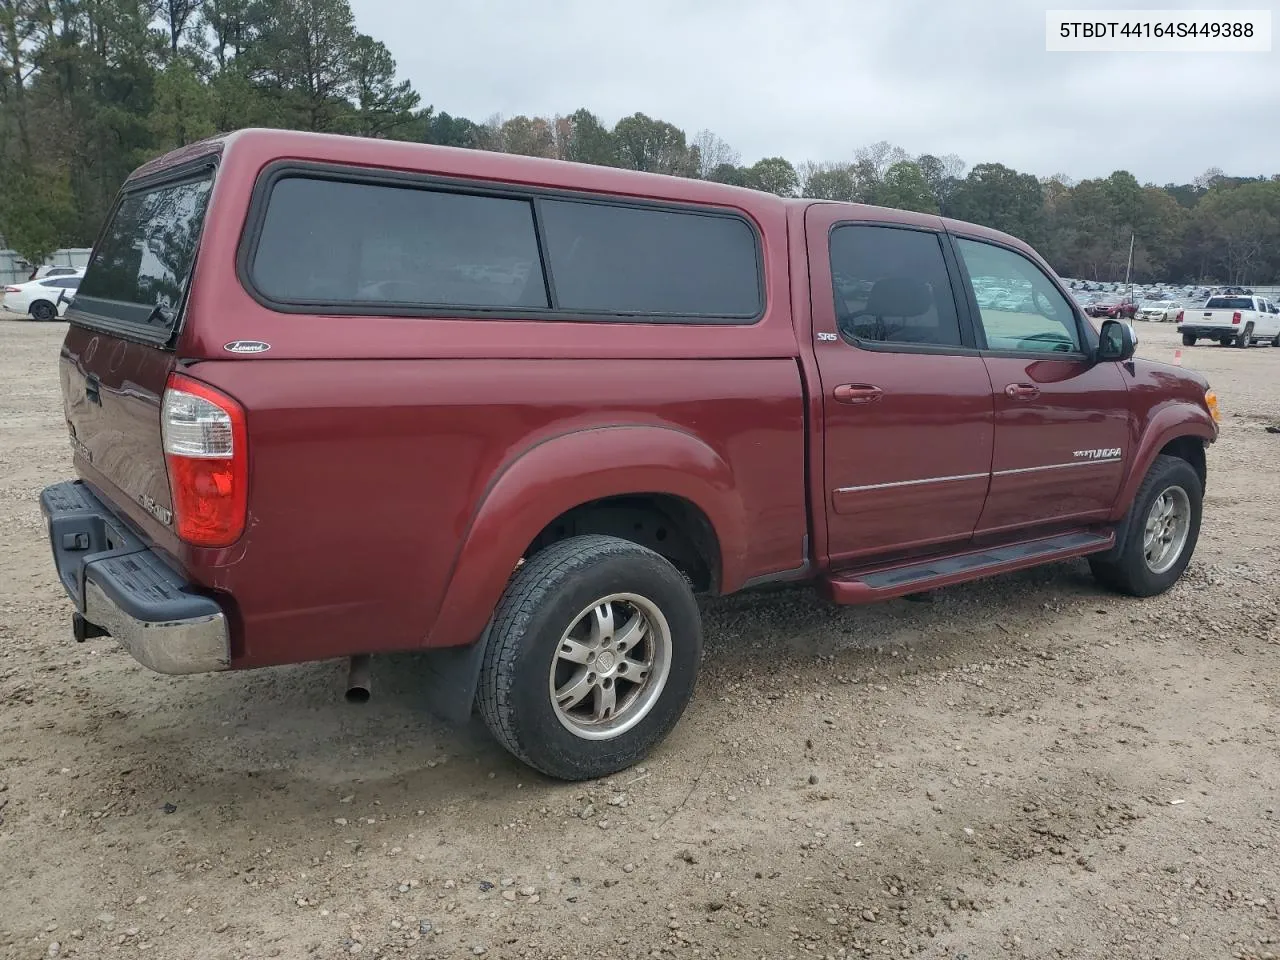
1030,314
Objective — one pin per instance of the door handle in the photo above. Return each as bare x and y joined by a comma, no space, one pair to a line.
93,389
1022,391
857,393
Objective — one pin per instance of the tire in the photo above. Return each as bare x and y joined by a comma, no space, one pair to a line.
1275,341
1227,341
1246,336
43,310
1126,568
1188,340
560,592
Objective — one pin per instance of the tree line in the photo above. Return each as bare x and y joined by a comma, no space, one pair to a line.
90,89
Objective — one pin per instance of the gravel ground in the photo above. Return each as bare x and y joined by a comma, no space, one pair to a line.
1025,767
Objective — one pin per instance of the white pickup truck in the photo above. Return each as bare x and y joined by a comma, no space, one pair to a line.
1232,320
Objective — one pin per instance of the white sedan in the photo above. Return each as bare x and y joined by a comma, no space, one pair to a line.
42,299
1159,310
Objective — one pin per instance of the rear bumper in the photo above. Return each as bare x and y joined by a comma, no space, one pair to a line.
1200,330
127,590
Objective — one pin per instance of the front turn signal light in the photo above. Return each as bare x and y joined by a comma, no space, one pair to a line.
1211,401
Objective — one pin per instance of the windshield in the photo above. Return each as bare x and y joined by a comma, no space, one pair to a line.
139,271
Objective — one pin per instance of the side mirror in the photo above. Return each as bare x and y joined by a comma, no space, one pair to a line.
1116,341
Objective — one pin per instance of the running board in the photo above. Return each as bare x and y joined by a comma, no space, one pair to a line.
936,572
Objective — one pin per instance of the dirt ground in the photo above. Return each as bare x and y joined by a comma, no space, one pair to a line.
1027,767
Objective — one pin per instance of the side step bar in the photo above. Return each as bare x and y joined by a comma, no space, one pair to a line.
922,575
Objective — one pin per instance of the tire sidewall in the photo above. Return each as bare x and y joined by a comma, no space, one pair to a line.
1173,472
545,741
38,307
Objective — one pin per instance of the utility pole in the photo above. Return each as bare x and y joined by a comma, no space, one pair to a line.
1129,266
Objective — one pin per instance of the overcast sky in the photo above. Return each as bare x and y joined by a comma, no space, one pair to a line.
816,79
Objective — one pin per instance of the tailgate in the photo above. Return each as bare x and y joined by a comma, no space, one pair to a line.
1209,318
118,352
1221,311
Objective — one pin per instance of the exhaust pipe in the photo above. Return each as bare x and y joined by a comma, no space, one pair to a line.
358,679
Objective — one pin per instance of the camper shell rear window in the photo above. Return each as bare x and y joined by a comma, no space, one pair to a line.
136,280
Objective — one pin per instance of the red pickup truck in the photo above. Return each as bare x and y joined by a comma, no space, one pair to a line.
330,397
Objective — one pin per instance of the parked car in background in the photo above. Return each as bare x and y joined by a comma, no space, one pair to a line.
1098,306
1160,311
39,273
1112,307
343,409
41,299
1232,321
1125,309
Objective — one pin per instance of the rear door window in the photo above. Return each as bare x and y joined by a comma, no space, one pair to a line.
139,272
891,286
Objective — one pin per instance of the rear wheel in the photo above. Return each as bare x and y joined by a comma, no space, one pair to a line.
1275,341
593,654
1162,530
1188,340
1246,336
43,310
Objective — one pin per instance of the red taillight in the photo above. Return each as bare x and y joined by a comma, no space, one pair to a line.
1235,317
12,290
206,449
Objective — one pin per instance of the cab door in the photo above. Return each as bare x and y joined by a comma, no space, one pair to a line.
1270,317
907,404
1062,421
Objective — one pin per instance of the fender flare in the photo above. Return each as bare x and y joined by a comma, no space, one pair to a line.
1167,424
568,470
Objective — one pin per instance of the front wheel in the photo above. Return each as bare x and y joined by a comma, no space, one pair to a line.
1162,529
1188,340
592,657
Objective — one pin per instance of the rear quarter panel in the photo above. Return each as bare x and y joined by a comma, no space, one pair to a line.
367,476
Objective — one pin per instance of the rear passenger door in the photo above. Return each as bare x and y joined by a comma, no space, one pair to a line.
1061,420
906,401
